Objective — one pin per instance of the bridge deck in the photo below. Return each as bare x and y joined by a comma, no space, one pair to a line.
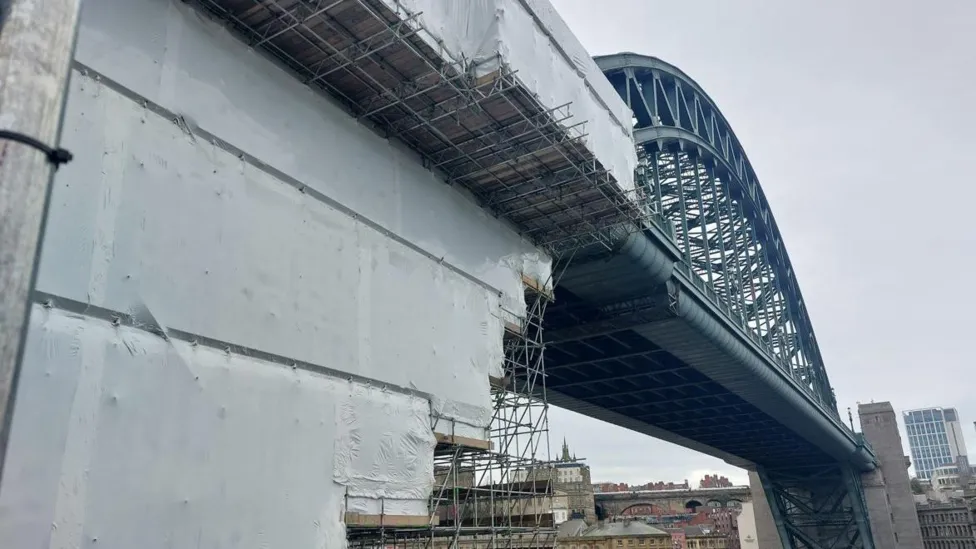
619,349
627,377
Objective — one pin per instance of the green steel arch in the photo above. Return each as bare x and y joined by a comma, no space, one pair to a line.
699,178
696,176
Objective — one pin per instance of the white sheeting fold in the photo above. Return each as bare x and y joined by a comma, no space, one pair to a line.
383,451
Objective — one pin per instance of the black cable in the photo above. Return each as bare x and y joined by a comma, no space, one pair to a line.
54,156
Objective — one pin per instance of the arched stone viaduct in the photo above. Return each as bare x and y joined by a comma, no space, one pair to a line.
669,501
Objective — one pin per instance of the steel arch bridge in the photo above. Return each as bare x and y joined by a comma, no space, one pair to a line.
695,330
697,176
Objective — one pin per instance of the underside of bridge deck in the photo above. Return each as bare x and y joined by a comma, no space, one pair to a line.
601,352
618,349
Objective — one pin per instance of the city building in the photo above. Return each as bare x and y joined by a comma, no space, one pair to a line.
946,478
571,482
714,521
725,522
572,477
628,534
606,487
708,537
714,481
677,537
948,482
934,438
947,525
560,507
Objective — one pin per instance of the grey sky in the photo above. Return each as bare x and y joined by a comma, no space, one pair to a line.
858,118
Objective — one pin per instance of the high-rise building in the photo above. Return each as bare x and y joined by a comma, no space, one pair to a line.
934,437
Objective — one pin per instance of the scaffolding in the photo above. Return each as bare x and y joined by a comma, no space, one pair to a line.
523,161
495,493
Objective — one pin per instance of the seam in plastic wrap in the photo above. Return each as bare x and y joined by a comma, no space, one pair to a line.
533,265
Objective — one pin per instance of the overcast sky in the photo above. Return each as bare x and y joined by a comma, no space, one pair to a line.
859,119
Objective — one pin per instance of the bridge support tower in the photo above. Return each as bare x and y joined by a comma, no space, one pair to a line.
817,510
891,506
811,509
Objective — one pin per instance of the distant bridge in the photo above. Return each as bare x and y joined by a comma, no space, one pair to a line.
671,501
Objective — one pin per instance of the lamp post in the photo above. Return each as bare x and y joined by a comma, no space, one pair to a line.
37,40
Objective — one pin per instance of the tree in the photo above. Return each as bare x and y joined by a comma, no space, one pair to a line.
917,486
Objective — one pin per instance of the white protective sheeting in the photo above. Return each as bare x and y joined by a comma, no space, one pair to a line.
123,439
296,284
214,195
149,217
173,56
532,39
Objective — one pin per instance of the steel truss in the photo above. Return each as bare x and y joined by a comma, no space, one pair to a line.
819,510
695,174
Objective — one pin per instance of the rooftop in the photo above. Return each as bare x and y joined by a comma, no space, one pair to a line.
622,529
928,409
571,528
701,530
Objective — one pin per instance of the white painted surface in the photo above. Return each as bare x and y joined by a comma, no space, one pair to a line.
531,38
380,272
957,442
746,521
